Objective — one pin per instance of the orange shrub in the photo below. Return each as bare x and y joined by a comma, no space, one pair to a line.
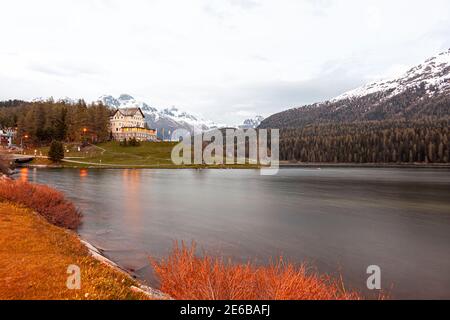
185,276
48,202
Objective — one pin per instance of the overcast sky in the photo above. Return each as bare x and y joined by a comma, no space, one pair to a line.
224,59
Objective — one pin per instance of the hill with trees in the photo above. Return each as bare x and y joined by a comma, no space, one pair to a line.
395,121
45,121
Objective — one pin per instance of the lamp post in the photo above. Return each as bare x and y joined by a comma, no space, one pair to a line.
85,130
21,141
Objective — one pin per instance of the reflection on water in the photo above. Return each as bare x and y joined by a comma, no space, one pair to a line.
131,185
84,173
340,220
24,174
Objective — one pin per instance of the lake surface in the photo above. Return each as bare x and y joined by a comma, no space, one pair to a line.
339,220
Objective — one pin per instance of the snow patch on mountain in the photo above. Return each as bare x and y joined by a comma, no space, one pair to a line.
252,123
434,73
66,100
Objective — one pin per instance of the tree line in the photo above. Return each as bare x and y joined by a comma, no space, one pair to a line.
417,141
45,121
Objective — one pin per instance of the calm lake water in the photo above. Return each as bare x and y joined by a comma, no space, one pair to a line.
339,220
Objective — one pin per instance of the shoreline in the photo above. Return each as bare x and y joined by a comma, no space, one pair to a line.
98,254
69,239
366,165
25,277
73,254
283,165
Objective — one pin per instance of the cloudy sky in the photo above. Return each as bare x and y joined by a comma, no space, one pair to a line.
224,59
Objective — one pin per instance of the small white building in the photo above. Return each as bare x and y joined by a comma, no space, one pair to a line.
6,136
128,123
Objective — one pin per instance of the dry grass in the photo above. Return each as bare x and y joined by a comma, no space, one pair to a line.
35,255
48,202
185,276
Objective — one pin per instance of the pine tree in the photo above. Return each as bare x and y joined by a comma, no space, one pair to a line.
56,152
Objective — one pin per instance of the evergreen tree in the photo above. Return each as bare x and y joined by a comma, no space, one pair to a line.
56,152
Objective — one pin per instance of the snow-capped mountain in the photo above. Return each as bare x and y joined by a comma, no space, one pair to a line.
434,74
252,123
125,101
165,120
66,100
423,91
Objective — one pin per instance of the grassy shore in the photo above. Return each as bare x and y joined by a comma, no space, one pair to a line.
158,156
35,255
113,155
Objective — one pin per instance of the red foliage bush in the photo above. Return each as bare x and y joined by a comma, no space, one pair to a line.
48,202
185,276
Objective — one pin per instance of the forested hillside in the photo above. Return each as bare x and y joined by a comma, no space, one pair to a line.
45,121
424,141
402,129
392,121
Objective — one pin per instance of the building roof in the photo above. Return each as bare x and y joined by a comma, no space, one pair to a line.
129,112
6,133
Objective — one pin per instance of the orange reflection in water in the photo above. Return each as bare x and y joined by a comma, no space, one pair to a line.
84,173
24,172
131,185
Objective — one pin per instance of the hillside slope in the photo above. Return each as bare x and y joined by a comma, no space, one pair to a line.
423,91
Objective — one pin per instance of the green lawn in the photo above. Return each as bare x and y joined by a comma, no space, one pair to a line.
112,154
148,153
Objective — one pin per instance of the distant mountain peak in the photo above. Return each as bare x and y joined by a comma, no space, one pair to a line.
146,108
109,101
252,123
125,97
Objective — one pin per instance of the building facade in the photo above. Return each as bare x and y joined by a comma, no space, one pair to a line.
7,136
128,123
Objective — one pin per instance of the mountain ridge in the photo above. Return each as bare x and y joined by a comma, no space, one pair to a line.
435,71
422,91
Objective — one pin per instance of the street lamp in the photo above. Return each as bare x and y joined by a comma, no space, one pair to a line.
84,140
21,141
